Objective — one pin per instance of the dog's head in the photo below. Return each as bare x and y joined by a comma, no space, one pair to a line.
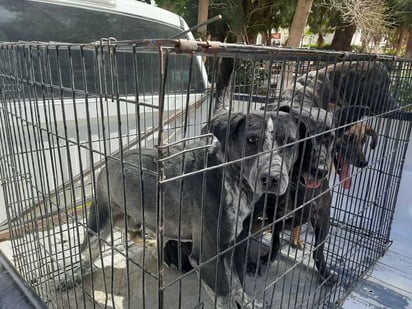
349,143
315,155
262,139
356,83
361,83
350,150
312,165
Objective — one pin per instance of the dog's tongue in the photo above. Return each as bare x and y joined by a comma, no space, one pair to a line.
345,174
312,184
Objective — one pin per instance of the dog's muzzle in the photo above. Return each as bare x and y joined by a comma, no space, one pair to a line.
270,181
274,181
319,172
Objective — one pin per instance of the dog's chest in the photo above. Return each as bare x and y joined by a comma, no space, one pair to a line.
237,208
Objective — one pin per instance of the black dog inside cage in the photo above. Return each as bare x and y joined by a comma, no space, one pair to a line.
143,179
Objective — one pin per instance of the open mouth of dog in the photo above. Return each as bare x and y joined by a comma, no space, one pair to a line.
350,151
343,170
310,183
313,179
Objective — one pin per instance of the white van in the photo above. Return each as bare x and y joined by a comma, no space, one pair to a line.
82,21
85,21
65,88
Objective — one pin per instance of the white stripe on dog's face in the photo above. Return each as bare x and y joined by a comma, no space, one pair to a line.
270,125
269,142
275,158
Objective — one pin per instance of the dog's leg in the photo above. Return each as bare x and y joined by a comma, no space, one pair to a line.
246,251
239,257
321,225
240,254
238,293
271,256
217,287
296,241
266,259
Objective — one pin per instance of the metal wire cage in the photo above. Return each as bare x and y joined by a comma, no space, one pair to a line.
72,115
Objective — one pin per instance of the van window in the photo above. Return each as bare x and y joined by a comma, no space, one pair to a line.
108,74
34,21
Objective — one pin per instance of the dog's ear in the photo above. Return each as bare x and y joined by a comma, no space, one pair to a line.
305,125
284,108
302,121
221,122
349,114
372,133
274,107
307,122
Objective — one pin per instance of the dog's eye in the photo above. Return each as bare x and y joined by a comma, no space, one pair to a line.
290,140
282,139
252,139
327,140
349,138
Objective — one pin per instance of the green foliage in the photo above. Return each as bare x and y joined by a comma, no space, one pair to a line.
404,90
242,19
393,51
251,77
399,13
284,14
315,46
245,19
356,48
322,19
185,8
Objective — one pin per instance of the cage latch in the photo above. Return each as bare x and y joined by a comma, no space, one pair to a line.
190,46
186,46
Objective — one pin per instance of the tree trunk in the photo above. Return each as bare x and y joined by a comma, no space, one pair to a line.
251,39
202,15
299,21
365,42
321,40
265,38
343,37
408,53
403,32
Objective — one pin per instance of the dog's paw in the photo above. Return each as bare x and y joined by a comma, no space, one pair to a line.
298,244
260,268
222,302
253,269
329,276
250,303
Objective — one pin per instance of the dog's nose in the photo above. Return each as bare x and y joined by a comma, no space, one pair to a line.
319,173
270,180
362,163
